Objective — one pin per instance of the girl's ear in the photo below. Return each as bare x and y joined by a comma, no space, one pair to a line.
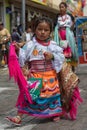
51,35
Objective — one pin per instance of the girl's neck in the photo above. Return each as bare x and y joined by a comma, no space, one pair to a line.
62,14
44,43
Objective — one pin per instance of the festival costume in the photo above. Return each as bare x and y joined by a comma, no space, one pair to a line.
63,32
49,103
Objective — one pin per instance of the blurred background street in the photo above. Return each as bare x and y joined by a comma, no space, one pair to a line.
8,97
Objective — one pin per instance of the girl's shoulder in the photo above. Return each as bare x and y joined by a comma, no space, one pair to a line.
54,46
53,42
28,45
71,16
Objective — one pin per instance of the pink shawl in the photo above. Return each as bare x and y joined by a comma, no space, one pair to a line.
16,73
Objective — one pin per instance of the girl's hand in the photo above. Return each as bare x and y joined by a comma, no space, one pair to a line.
48,56
17,47
21,44
25,71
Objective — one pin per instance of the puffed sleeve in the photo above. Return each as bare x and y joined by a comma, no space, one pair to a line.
59,57
24,53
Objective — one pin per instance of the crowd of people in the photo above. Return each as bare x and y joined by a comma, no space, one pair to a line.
43,69
6,38
4,44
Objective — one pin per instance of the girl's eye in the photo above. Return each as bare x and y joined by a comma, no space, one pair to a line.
47,30
39,29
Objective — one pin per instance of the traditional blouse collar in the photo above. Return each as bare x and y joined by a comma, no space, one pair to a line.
44,43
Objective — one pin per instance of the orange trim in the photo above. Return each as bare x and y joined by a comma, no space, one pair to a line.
49,87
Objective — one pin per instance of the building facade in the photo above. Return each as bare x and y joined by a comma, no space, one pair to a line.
13,11
4,15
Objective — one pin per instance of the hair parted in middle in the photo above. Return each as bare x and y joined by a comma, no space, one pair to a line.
43,19
63,3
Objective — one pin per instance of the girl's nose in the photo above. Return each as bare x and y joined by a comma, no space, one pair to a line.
43,31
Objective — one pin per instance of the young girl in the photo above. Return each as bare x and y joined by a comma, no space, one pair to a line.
45,61
63,31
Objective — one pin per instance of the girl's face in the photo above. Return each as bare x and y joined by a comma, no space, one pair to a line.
42,31
62,9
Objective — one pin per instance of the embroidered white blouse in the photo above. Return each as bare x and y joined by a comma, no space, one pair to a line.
64,21
28,55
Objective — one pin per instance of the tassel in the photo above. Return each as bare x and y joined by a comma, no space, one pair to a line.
76,100
16,73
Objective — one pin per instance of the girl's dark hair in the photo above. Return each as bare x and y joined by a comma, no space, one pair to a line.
43,19
63,3
72,17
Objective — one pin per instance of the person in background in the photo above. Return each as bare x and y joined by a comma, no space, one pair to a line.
20,29
45,60
5,38
64,31
27,35
15,35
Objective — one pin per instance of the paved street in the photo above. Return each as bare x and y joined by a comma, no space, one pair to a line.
8,96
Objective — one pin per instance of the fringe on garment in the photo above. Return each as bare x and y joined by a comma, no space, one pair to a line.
70,95
74,103
16,73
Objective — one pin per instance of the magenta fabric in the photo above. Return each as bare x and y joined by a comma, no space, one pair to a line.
16,73
62,33
75,101
67,51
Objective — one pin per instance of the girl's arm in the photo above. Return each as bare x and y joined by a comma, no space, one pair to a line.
25,71
58,57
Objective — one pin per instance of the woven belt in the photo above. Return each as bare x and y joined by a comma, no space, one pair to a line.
40,66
